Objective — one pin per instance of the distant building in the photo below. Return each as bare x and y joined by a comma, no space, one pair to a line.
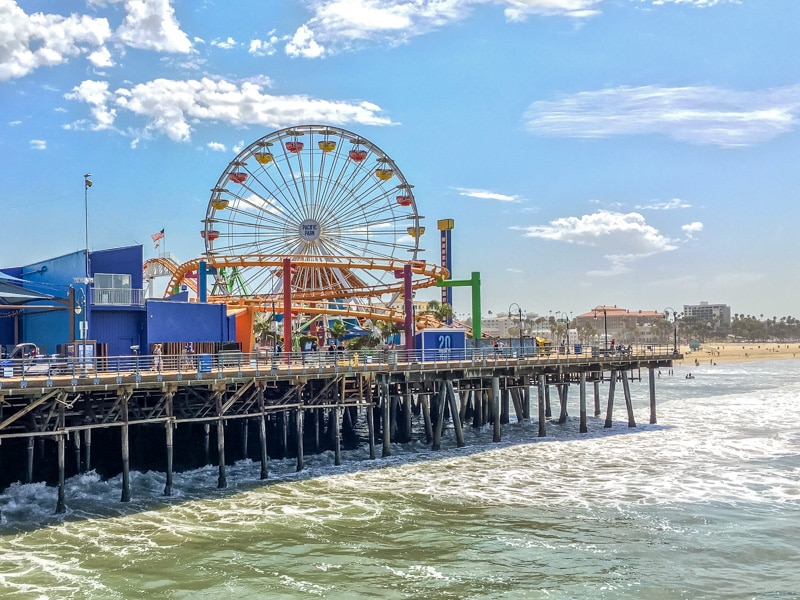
718,315
621,324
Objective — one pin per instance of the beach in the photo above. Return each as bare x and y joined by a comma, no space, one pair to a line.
719,353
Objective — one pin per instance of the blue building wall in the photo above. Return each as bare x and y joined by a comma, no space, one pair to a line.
169,321
52,276
117,326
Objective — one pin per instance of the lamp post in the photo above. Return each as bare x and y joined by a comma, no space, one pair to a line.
87,183
605,325
566,318
80,309
674,328
519,313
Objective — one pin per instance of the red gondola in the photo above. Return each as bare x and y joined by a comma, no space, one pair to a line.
210,234
237,177
294,146
358,155
404,200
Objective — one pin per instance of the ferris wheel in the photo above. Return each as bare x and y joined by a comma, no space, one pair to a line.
315,193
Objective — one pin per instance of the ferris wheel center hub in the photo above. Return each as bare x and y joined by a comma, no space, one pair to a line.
310,230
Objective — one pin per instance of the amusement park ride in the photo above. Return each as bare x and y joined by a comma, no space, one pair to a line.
311,220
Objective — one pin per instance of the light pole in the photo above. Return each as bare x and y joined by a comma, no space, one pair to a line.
519,313
566,318
674,328
87,183
605,325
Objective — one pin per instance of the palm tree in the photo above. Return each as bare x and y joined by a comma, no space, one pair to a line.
441,311
262,327
386,329
338,330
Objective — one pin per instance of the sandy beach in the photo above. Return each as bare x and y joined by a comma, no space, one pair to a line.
730,353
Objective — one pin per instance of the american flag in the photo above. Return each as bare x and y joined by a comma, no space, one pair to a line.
157,236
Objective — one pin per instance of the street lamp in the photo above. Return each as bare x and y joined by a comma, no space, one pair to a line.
566,318
519,313
87,183
674,328
605,325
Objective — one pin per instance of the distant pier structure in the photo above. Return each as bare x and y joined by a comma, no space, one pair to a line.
217,409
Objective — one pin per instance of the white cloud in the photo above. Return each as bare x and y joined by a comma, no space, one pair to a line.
622,238
216,146
486,195
169,106
38,145
225,44
96,94
263,47
101,58
690,229
700,115
674,204
151,25
338,25
28,42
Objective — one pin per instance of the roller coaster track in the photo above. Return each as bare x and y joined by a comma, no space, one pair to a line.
314,301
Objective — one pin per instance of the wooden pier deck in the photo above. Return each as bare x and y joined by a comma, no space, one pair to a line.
297,403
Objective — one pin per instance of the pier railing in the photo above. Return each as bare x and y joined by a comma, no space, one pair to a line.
52,370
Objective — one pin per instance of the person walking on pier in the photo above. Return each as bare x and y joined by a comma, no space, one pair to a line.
158,362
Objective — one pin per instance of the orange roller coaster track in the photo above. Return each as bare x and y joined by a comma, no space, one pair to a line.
316,301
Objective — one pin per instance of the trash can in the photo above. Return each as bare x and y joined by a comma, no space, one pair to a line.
578,348
204,363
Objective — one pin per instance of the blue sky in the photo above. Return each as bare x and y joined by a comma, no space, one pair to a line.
633,152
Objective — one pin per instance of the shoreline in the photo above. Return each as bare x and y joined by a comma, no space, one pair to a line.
724,353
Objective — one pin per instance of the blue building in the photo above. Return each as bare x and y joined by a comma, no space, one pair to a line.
55,305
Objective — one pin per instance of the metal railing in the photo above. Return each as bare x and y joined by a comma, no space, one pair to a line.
233,363
117,296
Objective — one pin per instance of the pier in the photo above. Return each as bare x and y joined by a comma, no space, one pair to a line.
133,412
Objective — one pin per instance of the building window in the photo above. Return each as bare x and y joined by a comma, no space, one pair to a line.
112,288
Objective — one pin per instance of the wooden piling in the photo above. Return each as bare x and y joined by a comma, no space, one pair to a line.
76,440
437,430
29,464
628,402
169,427
652,382
611,383
547,409
262,433
455,412
222,479
504,408
299,414
61,502
496,431
562,388
87,452
370,414
387,421
583,427
542,409
596,383
126,452
337,439
426,417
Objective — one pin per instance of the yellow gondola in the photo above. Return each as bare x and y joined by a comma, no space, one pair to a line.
415,231
263,158
384,174
326,145
220,203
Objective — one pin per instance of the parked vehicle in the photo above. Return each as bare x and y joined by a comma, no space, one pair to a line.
26,358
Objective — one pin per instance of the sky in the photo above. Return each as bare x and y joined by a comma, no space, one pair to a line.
638,153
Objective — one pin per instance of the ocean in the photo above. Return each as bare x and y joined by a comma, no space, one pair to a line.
705,504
